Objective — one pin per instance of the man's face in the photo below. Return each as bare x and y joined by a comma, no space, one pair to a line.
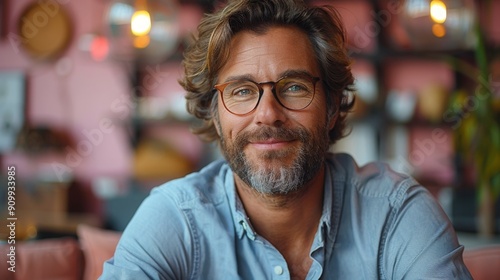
273,150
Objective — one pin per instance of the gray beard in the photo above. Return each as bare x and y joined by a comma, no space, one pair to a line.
278,180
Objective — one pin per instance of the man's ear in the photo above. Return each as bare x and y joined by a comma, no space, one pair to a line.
215,121
333,121
217,126
215,115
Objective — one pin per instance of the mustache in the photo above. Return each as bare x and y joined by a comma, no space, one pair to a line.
268,132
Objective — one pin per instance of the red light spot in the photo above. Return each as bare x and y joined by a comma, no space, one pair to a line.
99,48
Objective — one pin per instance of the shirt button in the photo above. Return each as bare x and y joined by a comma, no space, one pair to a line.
278,270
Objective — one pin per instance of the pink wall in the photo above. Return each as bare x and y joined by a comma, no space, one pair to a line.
76,94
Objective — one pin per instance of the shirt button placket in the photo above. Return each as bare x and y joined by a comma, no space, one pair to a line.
278,270
277,264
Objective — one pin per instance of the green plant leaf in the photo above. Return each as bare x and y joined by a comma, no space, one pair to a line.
495,137
495,184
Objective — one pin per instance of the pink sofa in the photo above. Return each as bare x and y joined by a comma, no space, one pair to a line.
60,258
483,262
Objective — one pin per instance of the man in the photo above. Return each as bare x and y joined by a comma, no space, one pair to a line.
271,80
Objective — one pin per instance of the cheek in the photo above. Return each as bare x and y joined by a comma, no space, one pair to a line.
319,109
317,115
221,119
228,125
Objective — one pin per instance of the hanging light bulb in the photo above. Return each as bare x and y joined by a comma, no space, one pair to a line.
142,30
142,42
140,23
438,30
438,11
439,24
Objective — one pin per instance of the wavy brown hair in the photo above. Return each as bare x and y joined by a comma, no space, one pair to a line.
207,55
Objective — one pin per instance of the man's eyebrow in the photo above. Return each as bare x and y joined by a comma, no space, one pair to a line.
249,77
296,72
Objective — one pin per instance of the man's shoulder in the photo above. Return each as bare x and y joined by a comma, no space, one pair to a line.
205,186
374,179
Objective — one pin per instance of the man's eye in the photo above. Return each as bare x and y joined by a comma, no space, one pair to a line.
296,87
242,92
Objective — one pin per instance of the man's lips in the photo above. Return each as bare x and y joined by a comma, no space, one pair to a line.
270,144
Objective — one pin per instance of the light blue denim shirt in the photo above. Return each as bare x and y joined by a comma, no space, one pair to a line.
376,224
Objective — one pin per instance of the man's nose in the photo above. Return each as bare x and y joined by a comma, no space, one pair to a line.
269,111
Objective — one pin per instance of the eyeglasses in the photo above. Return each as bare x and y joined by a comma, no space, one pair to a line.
294,92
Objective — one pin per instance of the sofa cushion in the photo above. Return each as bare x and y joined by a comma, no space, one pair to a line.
98,246
483,262
58,259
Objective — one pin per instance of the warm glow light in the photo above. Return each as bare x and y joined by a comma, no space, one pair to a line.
141,42
438,30
140,23
438,11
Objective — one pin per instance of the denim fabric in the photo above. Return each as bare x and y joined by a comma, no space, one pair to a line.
376,224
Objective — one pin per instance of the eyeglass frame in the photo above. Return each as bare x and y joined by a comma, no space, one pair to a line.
221,87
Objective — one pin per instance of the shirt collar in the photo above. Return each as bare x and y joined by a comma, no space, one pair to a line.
335,184
326,216
240,219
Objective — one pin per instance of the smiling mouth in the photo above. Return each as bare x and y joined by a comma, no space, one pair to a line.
270,139
270,144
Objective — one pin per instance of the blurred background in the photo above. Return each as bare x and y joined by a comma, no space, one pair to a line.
92,115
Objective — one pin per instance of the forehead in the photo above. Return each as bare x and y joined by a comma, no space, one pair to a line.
266,56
